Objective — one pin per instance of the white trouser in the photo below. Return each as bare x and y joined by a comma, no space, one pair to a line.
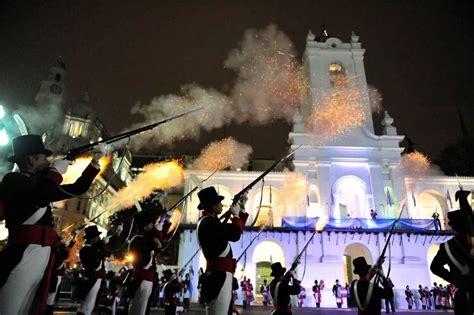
87,305
19,291
140,299
52,296
221,305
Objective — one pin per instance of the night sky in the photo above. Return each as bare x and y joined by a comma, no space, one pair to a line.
419,55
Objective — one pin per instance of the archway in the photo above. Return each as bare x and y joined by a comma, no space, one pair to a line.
430,202
265,254
350,198
265,198
351,252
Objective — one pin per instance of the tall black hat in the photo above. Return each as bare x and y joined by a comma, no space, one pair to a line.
208,197
167,274
361,266
277,269
27,145
91,232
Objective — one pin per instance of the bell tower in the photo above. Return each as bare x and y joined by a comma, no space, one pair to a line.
329,62
52,91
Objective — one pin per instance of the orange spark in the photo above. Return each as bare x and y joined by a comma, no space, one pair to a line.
75,170
293,192
223,154
163,175
336,112
415,164
175,219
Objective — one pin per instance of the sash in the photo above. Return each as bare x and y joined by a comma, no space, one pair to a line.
363,307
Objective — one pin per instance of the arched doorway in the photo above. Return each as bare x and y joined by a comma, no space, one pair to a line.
265,254
350,198
351,252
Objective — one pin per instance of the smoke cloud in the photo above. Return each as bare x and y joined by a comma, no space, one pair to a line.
269,86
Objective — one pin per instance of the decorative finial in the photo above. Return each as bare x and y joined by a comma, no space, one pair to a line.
354,37
387,119
324,32
387,122
310,37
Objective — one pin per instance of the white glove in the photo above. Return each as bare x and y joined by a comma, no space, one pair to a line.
60,166
243,200
99,151
119,229
159,226
106,239
235,210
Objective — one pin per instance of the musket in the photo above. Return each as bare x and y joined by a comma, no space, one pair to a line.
319,227
298,257
177,203
250,244
190,259
382,254
73,153
237,197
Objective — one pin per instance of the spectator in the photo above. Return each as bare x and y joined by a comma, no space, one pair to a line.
409,297
250,297
436,222
373,214
337,292
301,297
429,302
317,293
186,291
423,297
265,291
244,288
435,293
389,300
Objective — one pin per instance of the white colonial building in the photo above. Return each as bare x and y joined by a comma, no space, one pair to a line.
350,175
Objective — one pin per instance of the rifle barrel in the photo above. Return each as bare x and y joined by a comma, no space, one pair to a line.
390,235
261,176
73,153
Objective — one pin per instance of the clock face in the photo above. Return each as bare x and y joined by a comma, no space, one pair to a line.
56,89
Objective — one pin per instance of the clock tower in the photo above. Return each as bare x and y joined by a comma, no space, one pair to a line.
52,92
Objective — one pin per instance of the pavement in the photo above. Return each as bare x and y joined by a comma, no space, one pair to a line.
260,310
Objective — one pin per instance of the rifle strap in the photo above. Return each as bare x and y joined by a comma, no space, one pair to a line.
363,307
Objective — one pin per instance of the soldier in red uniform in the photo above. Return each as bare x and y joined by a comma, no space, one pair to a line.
214,237
170,289
92,256
26,196
143,248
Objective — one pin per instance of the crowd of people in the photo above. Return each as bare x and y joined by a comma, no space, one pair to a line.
33,262
436,297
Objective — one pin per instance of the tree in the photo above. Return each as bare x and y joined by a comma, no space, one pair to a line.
458,158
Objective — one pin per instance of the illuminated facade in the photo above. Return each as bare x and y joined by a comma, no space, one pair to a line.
348,177
78,125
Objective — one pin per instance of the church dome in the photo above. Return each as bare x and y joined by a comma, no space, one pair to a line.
82,108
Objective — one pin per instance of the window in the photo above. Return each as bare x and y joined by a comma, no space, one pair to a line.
337,75
76,128
58,77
